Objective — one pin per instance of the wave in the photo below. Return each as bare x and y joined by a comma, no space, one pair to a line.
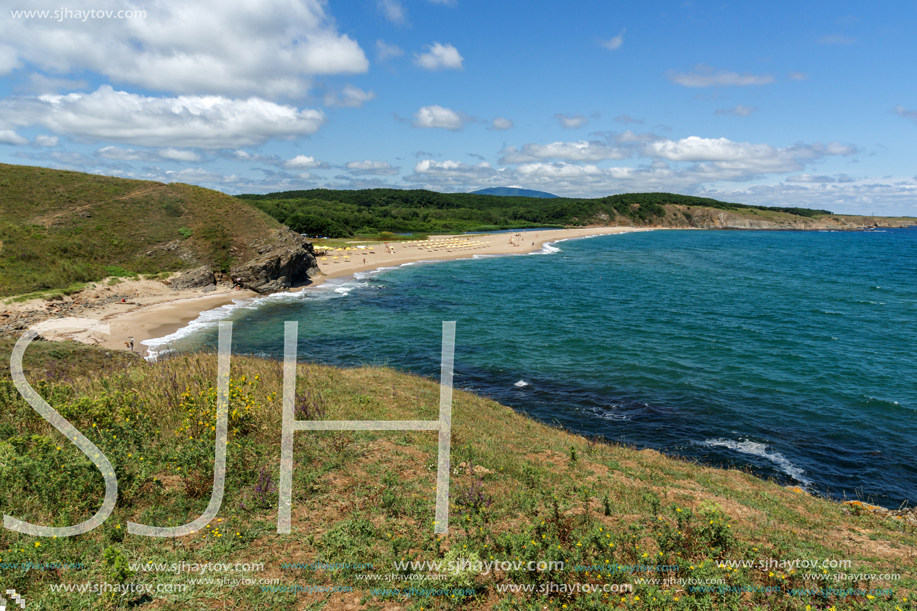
760,449
157,347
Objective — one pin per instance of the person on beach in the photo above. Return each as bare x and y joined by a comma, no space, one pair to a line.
131,344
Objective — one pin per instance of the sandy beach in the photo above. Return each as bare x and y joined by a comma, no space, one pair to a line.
151,309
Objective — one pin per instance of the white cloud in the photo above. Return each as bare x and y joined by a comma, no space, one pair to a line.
705,76
349,97
450,172
50,141
571,121
615,43
393,11
375,168
185,121
8,136
444,2
738,111
126,154
304,162
901,111
385,51
269,48
836,39
179,155
501,123
568,151
722,159
798,76
121,154
437,116
9,59
809,178
628,119
439,57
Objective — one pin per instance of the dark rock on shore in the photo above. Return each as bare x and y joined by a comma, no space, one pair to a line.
284,259
196,278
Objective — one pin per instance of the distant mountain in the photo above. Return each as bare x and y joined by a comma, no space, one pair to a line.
513,191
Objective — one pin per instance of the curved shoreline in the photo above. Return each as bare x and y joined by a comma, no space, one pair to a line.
184,317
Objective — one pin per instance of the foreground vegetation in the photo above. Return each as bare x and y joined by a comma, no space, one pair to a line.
344,213
525,492
59,229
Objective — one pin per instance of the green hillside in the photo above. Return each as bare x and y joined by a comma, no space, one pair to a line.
364,501
343,213
58,228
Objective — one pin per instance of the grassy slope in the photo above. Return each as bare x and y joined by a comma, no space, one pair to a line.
367,497
58,228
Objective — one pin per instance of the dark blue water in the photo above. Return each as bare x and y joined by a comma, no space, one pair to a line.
793,354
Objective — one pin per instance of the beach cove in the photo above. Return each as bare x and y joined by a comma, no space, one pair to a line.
153,310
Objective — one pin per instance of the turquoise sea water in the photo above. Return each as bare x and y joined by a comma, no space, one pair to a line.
793,354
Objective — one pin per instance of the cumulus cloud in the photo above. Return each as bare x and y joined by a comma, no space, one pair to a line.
49,141
179,155
375,168
184,121
836,39
568,151
439,57
385,51
571,121
738,111
118,153
271,48
450,172
613,44
901,111
304,162
706,76
8,136
437,116
722,159
392,10
501,123
349,97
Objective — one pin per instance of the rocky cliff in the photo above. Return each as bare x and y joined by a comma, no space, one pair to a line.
284,259
750,218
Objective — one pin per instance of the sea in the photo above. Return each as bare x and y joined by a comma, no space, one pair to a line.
789,354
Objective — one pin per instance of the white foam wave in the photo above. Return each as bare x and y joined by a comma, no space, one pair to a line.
521,384
759,449
157,347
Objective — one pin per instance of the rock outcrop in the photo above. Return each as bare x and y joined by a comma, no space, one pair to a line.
284,259
195,279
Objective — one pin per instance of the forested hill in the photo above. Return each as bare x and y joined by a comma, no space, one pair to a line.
344,213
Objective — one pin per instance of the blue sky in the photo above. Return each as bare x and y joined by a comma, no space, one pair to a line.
806,104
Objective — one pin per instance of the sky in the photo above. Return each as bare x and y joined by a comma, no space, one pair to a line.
809,104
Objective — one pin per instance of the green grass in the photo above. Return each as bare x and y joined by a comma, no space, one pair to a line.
62,228
367,497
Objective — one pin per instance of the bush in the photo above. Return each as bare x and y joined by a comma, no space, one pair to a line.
185,232
119,272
